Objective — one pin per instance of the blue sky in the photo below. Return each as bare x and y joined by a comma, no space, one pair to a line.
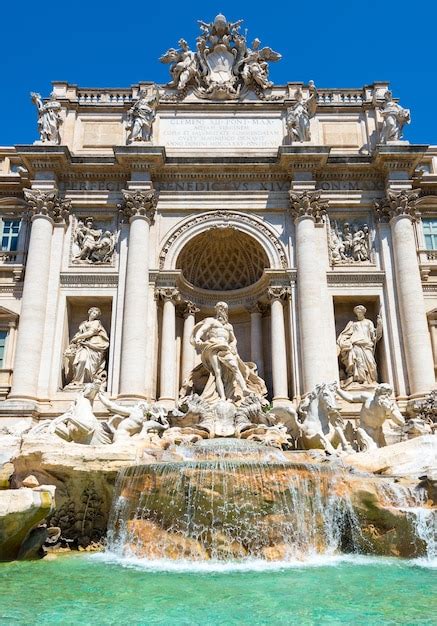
336,43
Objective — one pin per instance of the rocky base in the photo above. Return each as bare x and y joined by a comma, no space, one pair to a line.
85,478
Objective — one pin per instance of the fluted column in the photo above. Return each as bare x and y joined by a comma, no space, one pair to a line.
188,351
47,208
256,338
167,396
308,209
139,208
400,208
279,351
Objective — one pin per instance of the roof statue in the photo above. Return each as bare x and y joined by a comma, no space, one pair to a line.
223,66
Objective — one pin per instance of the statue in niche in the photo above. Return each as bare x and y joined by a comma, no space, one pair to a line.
356,346
299,115
394,119
85,357
229,377
377,407
141,116
91,245
349,243
49,118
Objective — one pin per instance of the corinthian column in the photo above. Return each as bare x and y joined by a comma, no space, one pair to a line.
139,208
279,351
307,210
188,352
47,208
400,208
167,397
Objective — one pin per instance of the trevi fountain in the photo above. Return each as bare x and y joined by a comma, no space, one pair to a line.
218,335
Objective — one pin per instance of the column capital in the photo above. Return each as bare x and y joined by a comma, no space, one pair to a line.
48,204
308,204
168,294
399,204
190,309
139,203
257,307
278,292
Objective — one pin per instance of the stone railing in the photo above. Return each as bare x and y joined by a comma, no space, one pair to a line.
340,96
107,96
10,258
427,262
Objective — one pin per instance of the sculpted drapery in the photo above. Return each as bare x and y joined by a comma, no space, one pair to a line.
356,345
85,357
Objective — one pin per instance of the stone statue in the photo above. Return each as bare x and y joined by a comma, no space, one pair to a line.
299,115
141,116
229,377
129,421
49,118
223,66
184,67
78,424
349,243
91,245
377,407
394,119
85,357
356,346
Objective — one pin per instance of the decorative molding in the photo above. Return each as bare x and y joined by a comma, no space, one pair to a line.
278,292
89,280
223,219
355,278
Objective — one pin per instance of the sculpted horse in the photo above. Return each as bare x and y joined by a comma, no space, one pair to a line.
318,423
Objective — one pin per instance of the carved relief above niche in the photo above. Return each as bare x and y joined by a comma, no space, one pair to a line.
92,241
350,241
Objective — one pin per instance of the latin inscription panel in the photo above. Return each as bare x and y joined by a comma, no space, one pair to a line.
221,132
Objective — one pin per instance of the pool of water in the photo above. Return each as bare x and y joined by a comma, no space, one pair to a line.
97,589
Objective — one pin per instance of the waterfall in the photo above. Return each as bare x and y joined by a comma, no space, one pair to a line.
231,499
412,501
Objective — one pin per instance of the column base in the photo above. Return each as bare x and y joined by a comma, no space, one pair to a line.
167,403
132,397
280,401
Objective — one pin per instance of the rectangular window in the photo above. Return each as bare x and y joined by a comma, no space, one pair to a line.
3,335
10,232
430,232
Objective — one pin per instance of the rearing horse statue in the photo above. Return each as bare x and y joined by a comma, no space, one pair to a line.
318,423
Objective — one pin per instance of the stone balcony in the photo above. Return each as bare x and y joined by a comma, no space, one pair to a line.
427,263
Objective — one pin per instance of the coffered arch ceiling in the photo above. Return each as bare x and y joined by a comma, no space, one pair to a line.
222,259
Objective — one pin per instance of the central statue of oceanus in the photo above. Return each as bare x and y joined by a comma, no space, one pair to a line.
229,377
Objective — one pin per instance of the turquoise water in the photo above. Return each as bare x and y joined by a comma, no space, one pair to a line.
92,589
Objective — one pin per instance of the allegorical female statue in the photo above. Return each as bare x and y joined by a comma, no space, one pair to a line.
356,345
85,357
228,377
141,117
49,118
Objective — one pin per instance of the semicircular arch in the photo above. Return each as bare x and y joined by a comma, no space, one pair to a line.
191,227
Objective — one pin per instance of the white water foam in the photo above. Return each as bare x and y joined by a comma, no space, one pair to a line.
248,565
